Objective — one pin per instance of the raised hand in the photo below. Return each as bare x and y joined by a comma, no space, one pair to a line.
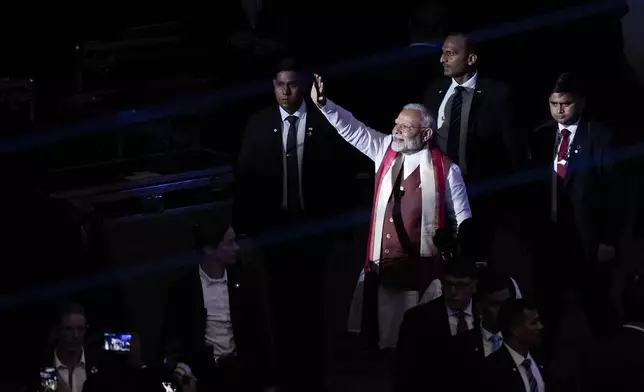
317,91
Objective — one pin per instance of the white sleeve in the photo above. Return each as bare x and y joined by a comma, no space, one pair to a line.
457,205
368,141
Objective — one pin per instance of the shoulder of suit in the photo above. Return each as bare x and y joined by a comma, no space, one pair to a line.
493,86
437,86
270,111
419,311
598,128
498,356
549,125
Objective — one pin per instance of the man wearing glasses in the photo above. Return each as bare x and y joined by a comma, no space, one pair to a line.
418,190
426,331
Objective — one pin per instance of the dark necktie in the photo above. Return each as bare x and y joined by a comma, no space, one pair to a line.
454,135
562,167
292,167
461,325
532,381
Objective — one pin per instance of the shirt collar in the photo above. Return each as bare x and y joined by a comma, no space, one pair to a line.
572,127
469,85
467,310
208,281
58,364
516,357
487,334
299,113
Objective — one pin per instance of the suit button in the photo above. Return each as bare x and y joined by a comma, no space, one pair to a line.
402,188
386,250
391,220
388,236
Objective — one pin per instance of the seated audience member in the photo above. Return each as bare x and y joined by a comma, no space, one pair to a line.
72,364
426,330
79,365
512,367
217,317
617,364
470,348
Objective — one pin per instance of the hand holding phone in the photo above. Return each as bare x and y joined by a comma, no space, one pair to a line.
49,379
117,342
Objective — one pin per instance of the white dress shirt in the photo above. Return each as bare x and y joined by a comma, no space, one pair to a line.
488,346
573,130
375,144
219,326
301,133
470,84
452,316
78,373
518,360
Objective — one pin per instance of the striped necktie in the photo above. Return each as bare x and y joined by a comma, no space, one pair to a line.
454,132
532,381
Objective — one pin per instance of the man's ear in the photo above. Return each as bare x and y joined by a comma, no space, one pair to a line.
471,59
427,134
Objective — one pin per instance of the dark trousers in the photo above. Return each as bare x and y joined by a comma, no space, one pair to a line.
486,216
296,269
562,262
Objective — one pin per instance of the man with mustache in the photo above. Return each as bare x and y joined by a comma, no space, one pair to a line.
474,129
418,190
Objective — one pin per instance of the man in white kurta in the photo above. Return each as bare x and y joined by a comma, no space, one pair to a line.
408,151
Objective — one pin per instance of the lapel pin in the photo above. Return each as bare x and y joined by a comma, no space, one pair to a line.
275,130
309,131
236,285
94,370
478,91
440,91
476,349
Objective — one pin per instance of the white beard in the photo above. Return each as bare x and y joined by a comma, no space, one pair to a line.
407,146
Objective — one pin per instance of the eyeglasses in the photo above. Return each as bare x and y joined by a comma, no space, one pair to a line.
404,127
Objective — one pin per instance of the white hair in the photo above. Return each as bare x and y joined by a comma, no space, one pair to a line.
426,119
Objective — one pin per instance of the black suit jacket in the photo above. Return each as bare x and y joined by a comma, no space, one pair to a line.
615,364
494,146
186,323
590,181
326,177
467,351
500,374
423,345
